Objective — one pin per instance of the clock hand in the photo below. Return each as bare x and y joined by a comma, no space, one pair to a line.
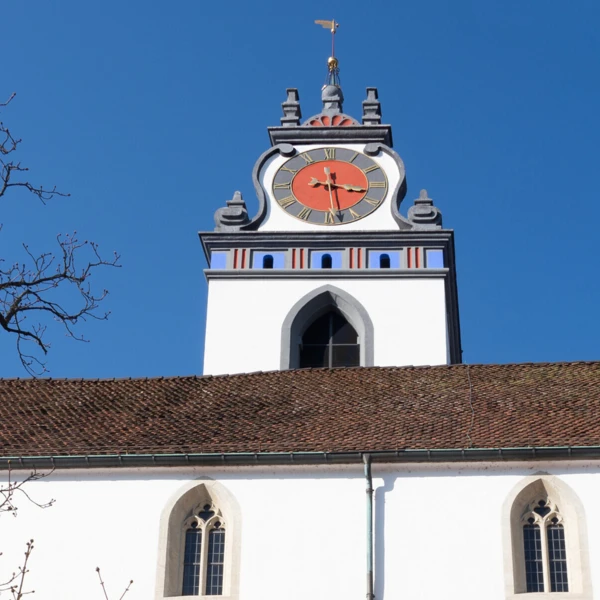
327,172
352,188
314,182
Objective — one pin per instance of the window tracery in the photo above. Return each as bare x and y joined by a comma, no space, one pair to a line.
544,547
203,563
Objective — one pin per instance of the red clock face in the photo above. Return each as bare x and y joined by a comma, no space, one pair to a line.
330,186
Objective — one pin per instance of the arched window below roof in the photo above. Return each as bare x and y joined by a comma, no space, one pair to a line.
545,541
199,544
268,261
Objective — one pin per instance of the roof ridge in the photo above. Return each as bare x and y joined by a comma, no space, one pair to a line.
306,370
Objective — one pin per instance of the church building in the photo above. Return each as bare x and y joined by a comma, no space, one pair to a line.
345,451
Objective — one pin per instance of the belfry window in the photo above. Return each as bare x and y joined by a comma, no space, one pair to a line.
326,261
268,261
330,341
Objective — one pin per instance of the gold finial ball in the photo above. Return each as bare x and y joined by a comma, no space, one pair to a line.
332,63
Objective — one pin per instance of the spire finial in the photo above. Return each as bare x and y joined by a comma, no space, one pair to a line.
333,68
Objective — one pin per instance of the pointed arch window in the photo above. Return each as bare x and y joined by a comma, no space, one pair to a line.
544,547
330,341
204,553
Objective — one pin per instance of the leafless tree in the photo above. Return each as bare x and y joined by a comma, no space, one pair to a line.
29,290
14,585
104,587
9,492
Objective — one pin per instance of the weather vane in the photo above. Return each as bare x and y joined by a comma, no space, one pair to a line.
333,70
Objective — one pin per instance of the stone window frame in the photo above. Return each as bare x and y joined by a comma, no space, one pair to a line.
516,507
174,521
312,306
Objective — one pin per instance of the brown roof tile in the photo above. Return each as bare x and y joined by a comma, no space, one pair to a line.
312,410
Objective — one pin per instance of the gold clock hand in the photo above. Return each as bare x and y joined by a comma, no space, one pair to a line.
329,182
314,182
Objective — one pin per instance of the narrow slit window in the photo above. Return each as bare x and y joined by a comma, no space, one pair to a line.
215,561
268,261
534,573
191,561
326,261
384,261
557,557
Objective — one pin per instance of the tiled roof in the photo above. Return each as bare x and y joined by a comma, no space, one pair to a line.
312,410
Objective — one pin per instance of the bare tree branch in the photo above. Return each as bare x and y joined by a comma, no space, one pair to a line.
9,169
104,587
11,489
16,583
29,291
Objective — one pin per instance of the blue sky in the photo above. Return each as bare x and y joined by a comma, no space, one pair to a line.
151,114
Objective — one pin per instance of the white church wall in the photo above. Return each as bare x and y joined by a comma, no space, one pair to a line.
245,317
439,529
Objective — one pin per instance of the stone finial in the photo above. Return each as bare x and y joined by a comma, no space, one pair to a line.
232,216
291,109
371,108
424,215
333,99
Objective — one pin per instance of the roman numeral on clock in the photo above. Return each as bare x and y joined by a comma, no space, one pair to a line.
371,168
304,213
377,184
307,158
329,153
283,186
354,214
287,201
329,220
292,171
372,201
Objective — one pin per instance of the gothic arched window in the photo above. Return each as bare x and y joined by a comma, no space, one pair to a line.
326,261
544,547
268,261
330,341
203,567
384,261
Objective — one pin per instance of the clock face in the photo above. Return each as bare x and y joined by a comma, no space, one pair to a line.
330,186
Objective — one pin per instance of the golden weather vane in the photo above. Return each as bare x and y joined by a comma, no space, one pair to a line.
333,75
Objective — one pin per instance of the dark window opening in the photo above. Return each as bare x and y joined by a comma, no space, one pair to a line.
557,557
330,341
215,561
326,262
384,261
268,261
534,573
191,561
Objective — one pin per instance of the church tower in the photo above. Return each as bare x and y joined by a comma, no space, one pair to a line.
328,272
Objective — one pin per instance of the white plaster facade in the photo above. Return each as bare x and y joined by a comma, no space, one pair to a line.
408,315
439,529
